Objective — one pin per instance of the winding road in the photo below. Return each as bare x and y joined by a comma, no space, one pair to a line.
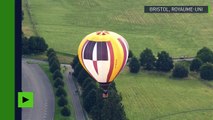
36,81
79,112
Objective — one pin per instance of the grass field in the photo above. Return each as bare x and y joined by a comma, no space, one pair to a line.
58,115
156,96
63,23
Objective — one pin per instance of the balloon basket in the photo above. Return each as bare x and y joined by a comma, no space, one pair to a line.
105,87
105,95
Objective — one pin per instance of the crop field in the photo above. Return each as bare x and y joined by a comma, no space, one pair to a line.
64,23
156,96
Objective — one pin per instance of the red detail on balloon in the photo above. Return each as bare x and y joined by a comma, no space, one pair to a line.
106,32
111,60
125,53
102,32
95,66
98,33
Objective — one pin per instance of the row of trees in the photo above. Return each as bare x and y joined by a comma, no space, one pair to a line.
54,67
202,63
97,107
148,62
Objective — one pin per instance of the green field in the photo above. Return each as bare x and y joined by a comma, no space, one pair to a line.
155,96
63,23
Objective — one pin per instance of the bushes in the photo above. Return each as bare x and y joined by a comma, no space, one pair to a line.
58,82
25,46
54,67
75,61
205,54
134,65
62,101
195,65
34,45
164,62
91,85
77,70
180,71
206,71
50,50
89,100
147,59
82,76
57,74
130,54
65,111
60,92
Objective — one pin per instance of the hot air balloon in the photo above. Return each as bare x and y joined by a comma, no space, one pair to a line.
103,55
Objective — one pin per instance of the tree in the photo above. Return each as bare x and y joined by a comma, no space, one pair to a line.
134,65
50,50
65,111
147,59
57,74
113,86
82,76
25,45
75,61
86,82
60,91
53,59
117,107
195,64
108,109
106,113
58,82
180,71
88,88
77,70
90,100
96,110
164,62
206,71
205,54
51,55
130,54
54,66
37,44
62,101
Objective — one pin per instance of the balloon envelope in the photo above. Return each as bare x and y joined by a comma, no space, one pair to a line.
103,55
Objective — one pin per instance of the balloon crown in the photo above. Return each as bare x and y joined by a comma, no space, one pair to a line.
104,32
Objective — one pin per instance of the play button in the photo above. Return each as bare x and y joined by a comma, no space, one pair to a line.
25,99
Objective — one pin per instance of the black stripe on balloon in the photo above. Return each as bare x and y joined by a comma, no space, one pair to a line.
102,53
89,50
